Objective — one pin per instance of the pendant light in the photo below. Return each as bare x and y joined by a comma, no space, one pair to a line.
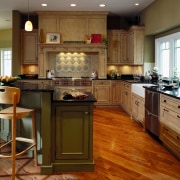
28,24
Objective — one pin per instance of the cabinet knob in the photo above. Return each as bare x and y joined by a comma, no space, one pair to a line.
86,113
178,116
164,100
179,106
166,110
178,138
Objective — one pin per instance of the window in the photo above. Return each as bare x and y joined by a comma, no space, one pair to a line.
6,62
167,55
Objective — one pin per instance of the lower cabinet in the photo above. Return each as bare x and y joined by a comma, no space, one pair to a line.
102,92
126,96
171,139
137,105
169,123
71,138
116,92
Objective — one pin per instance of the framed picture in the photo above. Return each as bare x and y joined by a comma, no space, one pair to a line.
52,38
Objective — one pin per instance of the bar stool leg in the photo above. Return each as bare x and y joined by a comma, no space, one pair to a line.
13,148
34,136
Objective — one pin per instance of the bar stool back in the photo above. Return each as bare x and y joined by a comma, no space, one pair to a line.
11,96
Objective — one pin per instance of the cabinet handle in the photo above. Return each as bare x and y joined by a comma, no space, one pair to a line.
166,110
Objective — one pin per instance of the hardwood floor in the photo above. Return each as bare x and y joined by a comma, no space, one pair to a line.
122,151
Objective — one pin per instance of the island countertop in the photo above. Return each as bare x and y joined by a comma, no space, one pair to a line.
58,93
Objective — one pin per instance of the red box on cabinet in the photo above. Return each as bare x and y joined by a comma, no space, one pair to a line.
96,38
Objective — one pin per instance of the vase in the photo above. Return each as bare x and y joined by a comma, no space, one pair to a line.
154,79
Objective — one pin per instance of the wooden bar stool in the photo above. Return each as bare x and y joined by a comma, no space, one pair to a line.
11,96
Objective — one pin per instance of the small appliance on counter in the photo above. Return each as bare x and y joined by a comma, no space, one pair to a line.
94,75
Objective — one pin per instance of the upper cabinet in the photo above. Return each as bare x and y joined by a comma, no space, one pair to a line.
29,47
73,26
117,51
126,47
135,45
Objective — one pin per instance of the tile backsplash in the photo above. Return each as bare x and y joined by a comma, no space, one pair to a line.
72,64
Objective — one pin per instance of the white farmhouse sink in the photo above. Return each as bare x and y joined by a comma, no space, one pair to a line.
139,90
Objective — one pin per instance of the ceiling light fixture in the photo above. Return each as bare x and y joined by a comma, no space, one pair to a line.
28,24
73,5
44,5
102,5
136,4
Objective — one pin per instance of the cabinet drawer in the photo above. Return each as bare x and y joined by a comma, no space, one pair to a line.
126,85
170,118
102,82
170,103
171,139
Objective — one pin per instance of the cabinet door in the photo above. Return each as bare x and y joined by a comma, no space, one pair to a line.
102,94
48,24
141,111
73,29
116,92
135,45
134,102
72,132
123,47
113,47
97,25
29,47
171,139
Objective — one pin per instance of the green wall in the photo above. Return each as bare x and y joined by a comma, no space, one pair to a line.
6,38
161,17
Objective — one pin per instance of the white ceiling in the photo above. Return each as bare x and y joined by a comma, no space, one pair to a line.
115,7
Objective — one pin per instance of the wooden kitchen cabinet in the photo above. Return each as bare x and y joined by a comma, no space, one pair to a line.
126,96
29,50
135,45
170,123
73,26
102,91
137,105
72,138
117,47
116,92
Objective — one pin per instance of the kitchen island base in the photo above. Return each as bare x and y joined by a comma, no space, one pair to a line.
71,138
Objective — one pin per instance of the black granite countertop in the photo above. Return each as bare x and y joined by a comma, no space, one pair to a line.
29,86
57,92
175,93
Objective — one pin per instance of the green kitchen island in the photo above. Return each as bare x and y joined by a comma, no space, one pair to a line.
64,128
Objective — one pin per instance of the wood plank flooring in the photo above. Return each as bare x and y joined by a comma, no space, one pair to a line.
122,151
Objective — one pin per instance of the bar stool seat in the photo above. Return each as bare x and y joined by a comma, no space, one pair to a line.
11,96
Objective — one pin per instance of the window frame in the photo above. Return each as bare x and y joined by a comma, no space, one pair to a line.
2,61
171,39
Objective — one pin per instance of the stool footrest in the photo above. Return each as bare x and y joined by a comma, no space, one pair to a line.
24,139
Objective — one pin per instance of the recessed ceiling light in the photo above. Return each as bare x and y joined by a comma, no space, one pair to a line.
102,5
136,4
73,5
43,5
